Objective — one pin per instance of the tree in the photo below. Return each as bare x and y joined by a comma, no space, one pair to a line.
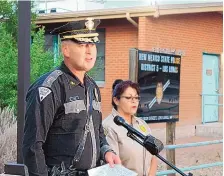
41,60
8,15
8,69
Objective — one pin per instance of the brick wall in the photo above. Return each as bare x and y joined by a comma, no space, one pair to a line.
120,37
192,33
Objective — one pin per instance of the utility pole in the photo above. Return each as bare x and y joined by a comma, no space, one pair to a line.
24,8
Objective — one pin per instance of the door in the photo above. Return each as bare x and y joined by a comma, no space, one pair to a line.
210,87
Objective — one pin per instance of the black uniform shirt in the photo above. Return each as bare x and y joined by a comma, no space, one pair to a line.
55,119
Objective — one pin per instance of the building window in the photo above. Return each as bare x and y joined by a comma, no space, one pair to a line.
98,71
51,43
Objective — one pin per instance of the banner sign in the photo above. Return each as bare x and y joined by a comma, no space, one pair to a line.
159,81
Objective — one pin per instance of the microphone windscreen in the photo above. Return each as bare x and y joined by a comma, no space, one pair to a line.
153,145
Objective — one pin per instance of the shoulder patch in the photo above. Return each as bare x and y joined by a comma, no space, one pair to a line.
51,78
43,92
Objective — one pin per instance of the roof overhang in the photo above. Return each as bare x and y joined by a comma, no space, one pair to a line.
133,12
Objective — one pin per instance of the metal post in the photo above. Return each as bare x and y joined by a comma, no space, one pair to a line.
133,65
170,140
23,68
23,80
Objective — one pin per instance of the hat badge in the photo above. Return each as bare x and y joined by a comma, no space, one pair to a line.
89,24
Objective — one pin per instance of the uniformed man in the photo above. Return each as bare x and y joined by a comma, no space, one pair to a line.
63,132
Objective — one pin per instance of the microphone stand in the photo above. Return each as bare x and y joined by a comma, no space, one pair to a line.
132,136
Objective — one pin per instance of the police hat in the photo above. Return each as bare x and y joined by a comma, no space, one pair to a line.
79,31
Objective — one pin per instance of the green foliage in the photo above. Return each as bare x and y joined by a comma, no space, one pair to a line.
41,61
8,14
8,69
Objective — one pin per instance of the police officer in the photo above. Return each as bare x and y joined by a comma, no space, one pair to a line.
63,132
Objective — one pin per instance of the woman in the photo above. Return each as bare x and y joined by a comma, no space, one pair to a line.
125,101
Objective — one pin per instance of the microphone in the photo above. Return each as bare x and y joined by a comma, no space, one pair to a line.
150,143
121,122
153,145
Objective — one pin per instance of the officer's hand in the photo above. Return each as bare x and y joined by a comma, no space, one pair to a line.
112,159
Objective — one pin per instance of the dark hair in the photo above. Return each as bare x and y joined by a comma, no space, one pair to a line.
117,81
120,86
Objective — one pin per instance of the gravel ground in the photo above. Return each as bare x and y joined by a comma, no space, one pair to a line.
193,156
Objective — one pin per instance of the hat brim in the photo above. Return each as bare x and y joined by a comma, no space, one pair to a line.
82,39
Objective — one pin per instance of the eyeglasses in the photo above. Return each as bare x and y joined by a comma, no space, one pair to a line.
137,98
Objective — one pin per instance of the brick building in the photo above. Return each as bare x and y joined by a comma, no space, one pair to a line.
194,31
